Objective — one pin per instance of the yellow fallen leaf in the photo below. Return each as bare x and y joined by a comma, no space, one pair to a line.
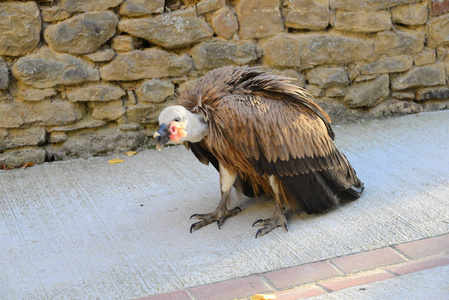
130,153
263,297
28,164
115,161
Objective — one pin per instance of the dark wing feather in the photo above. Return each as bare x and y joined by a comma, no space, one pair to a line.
291,142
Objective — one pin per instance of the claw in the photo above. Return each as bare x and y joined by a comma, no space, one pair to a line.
219,215
257,221
277,220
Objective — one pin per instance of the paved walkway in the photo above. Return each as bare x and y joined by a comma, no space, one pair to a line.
86,229
427,260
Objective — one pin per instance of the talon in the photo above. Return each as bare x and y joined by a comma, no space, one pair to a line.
257,221
219,215
259,232
192,228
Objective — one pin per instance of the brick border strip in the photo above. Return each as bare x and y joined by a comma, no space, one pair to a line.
326,276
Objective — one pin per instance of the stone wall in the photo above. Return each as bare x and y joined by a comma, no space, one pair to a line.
83,77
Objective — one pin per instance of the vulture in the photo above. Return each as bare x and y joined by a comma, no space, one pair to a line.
265,136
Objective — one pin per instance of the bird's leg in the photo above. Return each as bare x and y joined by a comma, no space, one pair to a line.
278,219
221,212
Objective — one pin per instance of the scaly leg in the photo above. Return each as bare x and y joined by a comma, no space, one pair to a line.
278,219
221,212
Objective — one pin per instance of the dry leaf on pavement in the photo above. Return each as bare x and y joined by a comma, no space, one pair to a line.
130,153
115,161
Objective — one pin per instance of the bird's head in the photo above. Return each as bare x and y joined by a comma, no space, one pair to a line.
178,125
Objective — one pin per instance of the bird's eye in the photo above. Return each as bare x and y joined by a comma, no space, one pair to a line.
177,119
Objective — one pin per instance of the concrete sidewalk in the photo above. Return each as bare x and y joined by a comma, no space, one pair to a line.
88,229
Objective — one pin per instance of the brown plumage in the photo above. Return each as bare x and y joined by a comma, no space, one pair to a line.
271,137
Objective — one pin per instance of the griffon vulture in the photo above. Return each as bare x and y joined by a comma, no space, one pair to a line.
264,136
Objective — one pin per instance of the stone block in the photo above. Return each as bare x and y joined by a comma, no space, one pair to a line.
17,157
4,76
395,108
57,137
149,63
107,140
101,55
429,75
327,50
85,123
315,90
11,115
326,77
368,93
144,113
88,5
365,78
400,42
393,64
441,53
171,30
138,8
282,50
368,5
432,93
307,14
216,53
42,113
225,23
415,14
109,111
403,95
53,14
83,33
206,6
259,18
155,90
362,21
55,112
97,92
438,31
425,58
15,138
439,7
25,93
335,91
47,68
122,43
20,27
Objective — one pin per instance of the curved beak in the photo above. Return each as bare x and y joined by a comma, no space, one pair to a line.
162,136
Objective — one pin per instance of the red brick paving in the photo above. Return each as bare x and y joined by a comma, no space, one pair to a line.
425,247
322,277
367,260
230,289
300,292
179,295
419,265
342,282
301,274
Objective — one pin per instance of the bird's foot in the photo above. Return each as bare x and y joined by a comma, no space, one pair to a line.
218,215
277,220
